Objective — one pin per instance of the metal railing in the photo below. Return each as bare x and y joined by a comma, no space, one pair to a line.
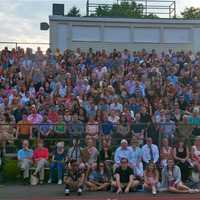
161,8
44,46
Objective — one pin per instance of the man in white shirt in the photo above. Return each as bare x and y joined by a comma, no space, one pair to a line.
150,152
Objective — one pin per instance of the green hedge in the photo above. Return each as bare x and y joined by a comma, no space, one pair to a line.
10,170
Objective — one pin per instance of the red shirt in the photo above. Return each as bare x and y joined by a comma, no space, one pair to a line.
42,153
53,116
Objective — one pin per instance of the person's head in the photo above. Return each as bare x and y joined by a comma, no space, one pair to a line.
180,143
170,163
90,142
24,117
40,144
137,117
124,144
74,165
151,166
124,163
149,141
134,142
25,144
165,142
75,117
60,146
197,141
76,142
94,166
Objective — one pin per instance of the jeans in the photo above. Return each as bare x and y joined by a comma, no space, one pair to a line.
59,166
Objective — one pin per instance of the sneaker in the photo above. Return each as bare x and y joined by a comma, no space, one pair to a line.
154,192
67,192
59,182
49,181
80,191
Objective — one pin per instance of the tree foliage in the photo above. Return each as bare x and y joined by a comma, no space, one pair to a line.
74,12
191,13
125,9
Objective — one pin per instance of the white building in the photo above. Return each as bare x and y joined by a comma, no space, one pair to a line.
121,33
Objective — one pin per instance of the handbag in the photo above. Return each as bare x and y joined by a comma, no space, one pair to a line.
34,180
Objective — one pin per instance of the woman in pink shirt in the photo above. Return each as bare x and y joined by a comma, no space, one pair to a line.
40,156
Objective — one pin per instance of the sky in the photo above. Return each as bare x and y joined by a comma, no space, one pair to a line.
20,19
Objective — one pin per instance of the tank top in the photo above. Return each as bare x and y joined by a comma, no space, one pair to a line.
182,154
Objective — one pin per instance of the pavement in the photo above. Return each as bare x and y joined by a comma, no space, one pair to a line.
56,192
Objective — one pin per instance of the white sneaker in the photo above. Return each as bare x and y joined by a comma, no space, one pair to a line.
67,192
80,191
154,192
59,182
49,181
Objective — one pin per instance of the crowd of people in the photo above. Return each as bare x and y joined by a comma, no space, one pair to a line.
105,99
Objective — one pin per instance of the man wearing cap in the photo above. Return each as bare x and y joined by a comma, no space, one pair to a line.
124,151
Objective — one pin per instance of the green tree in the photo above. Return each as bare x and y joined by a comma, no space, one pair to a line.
74,12
124,9
191,13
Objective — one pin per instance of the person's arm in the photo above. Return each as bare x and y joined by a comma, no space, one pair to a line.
156,156
187,154
130,183
81,179
117,157
19,155
157,176
145,178
144,155
17,132
118,183
177,174
31,132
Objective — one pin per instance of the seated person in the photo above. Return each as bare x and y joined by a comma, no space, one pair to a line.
58,161
137,164
89,153
24,129
60,128
171,179
124,178
74,178
45,128
25,162
40,156
92,128
98,178
151,178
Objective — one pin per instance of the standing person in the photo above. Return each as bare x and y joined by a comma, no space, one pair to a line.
124,151
150,152
40,156
166,152
124,178
181,156
74,178
25,162
137,158
171,179
151,177
58,161
74,152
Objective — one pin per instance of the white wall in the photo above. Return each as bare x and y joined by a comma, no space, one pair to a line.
109,33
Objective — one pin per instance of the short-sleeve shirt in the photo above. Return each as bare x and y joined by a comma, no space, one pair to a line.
124,174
